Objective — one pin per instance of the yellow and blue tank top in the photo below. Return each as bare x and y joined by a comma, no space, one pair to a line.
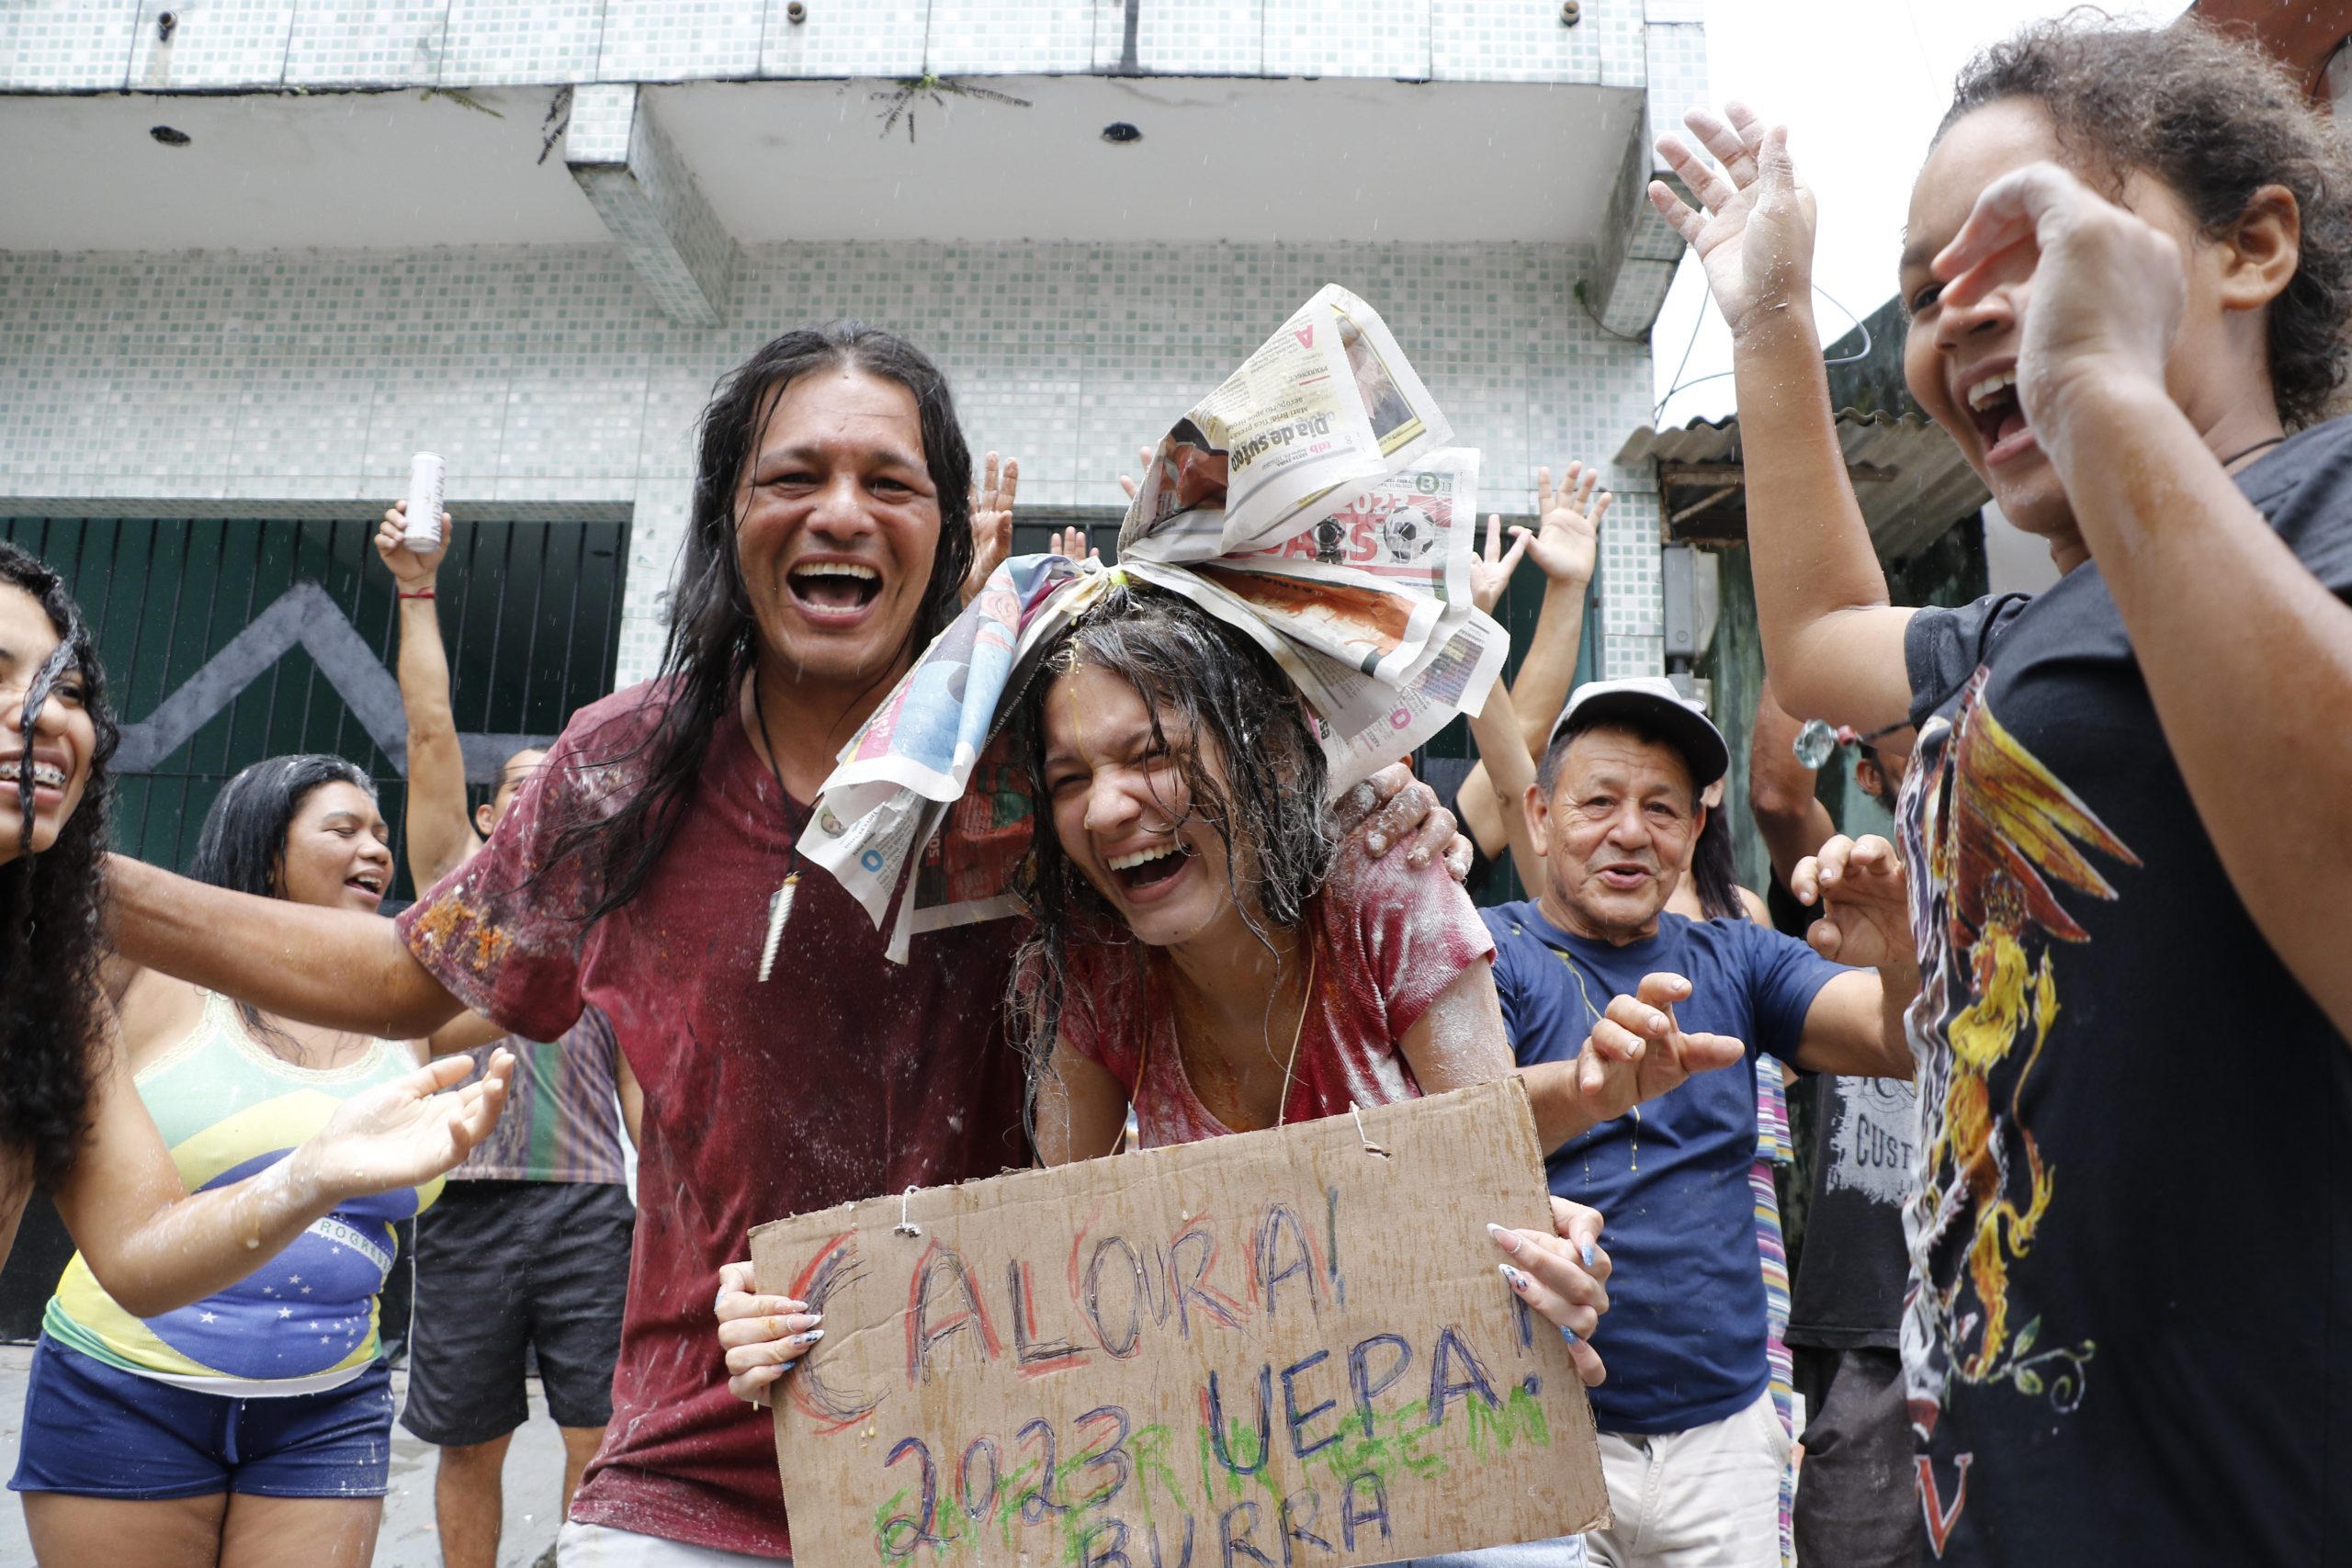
305,1321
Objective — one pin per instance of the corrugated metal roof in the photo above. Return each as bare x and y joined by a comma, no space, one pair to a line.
1911,479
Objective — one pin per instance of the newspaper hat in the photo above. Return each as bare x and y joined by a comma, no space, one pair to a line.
1310,502
1652,701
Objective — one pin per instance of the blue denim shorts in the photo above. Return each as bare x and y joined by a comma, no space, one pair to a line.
96,1431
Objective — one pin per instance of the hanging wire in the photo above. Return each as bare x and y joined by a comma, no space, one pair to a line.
1680,385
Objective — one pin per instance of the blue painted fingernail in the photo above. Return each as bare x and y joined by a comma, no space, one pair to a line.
1570,1335
1587,1254
784,1367
1517,1281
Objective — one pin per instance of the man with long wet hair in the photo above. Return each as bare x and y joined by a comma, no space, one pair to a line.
831,537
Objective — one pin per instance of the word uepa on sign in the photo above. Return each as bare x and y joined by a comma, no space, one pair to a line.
1288,1347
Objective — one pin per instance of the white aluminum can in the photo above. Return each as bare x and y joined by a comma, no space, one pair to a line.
425,472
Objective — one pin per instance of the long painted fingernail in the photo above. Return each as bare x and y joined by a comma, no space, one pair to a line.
1587,1254
781,1368
1517,1281
1570,1335
809,1339
1507,1240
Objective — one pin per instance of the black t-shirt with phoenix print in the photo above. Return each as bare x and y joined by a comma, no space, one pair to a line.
2129,1335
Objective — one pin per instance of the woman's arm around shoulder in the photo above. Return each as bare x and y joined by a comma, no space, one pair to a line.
336,969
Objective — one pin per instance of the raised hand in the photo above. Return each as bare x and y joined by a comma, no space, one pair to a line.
406,1132
1566,546
1753,230
992,500
2108,287
413,570
1563,1276
1071,544
1636,1051
759,1338
1143,465
1491,572
1865,898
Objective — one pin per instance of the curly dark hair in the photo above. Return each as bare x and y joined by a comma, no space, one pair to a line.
713,634
1243,743
51,939
2216,120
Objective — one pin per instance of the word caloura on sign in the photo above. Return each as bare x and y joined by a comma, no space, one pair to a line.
1284,1347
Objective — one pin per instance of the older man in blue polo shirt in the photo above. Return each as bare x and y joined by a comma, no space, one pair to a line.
1690,1445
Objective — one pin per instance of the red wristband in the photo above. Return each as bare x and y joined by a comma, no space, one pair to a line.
420,593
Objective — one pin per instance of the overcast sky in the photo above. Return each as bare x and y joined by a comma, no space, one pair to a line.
1861,84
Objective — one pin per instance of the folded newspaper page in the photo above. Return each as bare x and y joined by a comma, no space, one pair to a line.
1328,404
1310,501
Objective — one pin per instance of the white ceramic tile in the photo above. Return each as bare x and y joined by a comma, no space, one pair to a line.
678,40
525,41
377,43
1520,40
1027,38
1386,39
1204,37
862,39
55,46
457,415
547,376
215,44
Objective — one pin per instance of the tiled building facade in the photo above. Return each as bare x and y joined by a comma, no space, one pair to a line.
562,380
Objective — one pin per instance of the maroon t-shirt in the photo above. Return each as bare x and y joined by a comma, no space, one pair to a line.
842,1077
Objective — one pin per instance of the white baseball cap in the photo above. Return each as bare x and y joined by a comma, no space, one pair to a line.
1652,700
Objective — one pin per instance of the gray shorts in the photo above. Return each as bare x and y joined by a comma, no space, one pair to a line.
506,1265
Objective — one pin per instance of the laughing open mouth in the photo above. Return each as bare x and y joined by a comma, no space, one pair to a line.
366,881
1149,867
46,776
834,586
1993,405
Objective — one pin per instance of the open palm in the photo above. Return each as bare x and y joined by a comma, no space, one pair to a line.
1753,231
1490,570
992,497
408,1130
1566,543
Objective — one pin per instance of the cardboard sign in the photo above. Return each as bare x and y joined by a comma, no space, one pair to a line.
1285,1347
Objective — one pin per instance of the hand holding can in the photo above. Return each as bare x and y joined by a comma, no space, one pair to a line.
425,473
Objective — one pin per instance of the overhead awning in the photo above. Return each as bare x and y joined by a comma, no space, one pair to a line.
1909,477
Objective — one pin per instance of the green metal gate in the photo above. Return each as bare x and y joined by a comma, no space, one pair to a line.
229,640
226,641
